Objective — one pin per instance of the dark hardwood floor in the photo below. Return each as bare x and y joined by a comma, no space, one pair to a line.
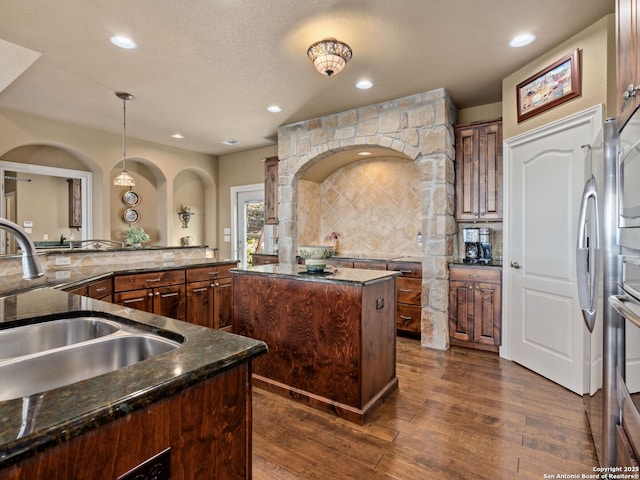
459,413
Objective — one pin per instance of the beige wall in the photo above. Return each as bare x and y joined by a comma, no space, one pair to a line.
483,112
101,153
597,45
237,169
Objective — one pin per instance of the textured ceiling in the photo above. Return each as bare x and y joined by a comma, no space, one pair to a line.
209,68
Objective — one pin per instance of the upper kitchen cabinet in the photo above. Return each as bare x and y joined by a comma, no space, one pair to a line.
479,171
271,191
628,70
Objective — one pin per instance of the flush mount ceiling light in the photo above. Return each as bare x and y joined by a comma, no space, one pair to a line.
329,56
364,84
522,40
232,141
274,109
124,179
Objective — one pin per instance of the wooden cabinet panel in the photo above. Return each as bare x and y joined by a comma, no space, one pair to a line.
271,191
478,168
264,259
413,270
199,274
369,265
135,281
475,307
409,290
199,303
101,290
223,304
628,56
209,299
170,301
408,318
138,299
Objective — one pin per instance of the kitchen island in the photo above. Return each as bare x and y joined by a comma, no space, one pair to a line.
194,400
331,336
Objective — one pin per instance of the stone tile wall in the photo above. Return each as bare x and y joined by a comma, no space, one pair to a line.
419,126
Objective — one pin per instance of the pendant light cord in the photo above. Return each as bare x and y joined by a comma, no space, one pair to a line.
124,133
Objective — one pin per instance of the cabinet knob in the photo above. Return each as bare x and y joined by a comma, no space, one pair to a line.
515,265
470,287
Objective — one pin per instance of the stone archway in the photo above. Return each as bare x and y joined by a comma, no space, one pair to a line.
419,126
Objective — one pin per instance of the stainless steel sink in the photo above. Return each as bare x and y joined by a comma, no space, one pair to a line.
31,374
44,336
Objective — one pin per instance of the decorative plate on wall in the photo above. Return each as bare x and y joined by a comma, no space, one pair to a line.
131,215
130,198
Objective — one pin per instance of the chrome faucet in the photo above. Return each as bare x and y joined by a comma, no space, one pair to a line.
31,267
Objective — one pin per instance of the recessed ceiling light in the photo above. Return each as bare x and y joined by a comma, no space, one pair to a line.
231,142
364,154
364,84
123,42
522,40
274,109
177,135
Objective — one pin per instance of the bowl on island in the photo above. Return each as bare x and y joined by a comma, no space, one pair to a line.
315,257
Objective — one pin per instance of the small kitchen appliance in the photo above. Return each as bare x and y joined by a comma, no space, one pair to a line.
472,247
485,255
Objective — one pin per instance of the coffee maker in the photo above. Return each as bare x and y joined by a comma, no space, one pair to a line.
471,237
485,255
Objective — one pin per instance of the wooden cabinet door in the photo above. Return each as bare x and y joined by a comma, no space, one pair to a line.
479,172
200,303
467,140
170,301
138,299
487,314
223,304
490,172
628,55
461,302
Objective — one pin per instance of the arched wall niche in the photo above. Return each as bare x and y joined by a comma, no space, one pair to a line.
195,189
420,127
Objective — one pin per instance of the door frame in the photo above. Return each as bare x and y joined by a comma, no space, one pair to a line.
592,113
235,192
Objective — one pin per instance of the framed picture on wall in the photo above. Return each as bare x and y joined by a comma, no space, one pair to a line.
550,87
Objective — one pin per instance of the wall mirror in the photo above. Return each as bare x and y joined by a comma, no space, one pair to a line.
40,195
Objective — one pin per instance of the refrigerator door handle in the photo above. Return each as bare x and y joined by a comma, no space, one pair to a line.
587,280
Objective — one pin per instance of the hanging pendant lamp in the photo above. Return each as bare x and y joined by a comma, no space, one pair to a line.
329,56
124,179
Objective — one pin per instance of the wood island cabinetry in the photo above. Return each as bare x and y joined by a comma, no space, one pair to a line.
478,169
409,297
475,311
331,338
162,292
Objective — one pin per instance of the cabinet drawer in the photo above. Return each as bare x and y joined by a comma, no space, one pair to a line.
134,281
409,290
339,263
101,288
200,274
474,274
407,269
408,318
369,265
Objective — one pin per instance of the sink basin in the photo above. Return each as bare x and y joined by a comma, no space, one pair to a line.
39,337
23,376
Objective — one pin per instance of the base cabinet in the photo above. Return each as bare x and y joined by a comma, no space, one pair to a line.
475,307
162,293
207,428
209,300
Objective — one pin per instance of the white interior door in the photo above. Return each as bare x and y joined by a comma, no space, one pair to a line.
545,171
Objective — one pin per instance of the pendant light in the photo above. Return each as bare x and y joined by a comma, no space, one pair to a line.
124,179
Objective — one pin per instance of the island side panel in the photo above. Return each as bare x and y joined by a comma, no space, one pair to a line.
207,426
312,329
378,340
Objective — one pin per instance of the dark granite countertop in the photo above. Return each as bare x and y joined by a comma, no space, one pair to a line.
331,275
66,412
379,258
68,277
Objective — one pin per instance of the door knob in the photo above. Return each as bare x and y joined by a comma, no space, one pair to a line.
515,265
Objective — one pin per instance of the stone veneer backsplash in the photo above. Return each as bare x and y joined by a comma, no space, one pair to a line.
373,205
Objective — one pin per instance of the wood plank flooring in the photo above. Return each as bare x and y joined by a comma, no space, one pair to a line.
458,414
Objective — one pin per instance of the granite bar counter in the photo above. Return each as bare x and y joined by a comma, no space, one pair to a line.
56,421
331,336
